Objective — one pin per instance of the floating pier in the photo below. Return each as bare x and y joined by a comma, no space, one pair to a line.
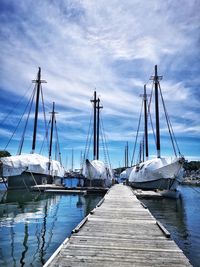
52,188
63,191
120,231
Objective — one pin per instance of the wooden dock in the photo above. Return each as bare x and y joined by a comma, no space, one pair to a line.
52,188
120,231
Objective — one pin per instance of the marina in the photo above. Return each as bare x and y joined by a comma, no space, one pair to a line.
119,230
99,134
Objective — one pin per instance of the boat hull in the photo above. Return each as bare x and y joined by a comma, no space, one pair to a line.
161,184
27,179
95,183
96,174
160,173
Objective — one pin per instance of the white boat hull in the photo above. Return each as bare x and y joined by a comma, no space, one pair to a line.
24,171
158,173
96,174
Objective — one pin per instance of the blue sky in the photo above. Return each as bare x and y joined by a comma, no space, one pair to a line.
108,45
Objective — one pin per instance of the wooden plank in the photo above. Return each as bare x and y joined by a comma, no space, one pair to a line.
120,232
64,191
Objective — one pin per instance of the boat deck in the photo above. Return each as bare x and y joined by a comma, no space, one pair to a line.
120,231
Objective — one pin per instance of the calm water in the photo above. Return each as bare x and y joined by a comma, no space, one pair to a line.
181,217
33,225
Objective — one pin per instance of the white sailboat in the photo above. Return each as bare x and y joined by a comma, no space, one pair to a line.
161,172
26,170
124,175
96,172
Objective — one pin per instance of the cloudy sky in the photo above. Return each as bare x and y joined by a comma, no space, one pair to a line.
111,46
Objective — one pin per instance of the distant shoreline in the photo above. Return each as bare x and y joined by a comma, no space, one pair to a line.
191,181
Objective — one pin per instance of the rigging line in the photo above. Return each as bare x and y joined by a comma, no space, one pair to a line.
106,147
137,134
175,139
90,141
87,140
168,120
56,150
105,140
45,119
103,147
139,152
16,105
17,124
46,135
22,139
58,143
149,113
172,130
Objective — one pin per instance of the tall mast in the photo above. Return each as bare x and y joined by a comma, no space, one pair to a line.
52,124
126,155
72,159
98,125
156,79
146,123
38,82
95,125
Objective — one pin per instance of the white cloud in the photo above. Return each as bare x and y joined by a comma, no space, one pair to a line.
108,45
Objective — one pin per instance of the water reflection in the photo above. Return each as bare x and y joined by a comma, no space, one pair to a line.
182,219
33,225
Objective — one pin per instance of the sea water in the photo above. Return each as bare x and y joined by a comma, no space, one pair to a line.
33,225
181,217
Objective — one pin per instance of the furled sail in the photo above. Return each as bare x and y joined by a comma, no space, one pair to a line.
33,163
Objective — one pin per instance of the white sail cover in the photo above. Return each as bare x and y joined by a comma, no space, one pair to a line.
34,163
159,168
125,174
96,169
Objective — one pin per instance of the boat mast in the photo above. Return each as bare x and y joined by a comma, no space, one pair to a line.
98,125
126,155
156,79
52,124
95,125
72,159
38,82
146,123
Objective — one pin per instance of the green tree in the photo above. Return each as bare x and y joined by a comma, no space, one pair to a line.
4,153
192,165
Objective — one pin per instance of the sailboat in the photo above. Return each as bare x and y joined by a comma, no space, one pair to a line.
26,170
125,173
95,171
161,172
